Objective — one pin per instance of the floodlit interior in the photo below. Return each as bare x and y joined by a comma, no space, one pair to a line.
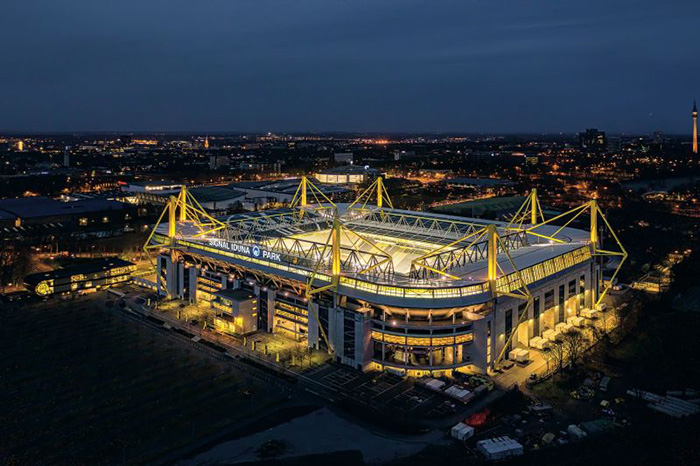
402,252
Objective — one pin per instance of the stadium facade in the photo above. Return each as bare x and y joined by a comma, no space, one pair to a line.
384,288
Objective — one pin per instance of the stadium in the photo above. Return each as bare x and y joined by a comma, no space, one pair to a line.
381,288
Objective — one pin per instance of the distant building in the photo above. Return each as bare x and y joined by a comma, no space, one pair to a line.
593,141
262,193
150,192
20,145
66,157
532,160
263,167
347,174
218,161
658,137
155,187
44,211
614,145
124,140
434,173
343,157
404,154
218,197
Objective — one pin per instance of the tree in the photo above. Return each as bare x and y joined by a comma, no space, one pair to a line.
298,352
557,354
574,343
15,263
551,360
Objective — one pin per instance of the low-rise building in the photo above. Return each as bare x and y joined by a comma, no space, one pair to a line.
90,276
218,197
347,174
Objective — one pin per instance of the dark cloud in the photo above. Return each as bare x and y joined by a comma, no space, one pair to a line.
299,65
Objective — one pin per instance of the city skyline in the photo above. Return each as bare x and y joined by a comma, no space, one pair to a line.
322,67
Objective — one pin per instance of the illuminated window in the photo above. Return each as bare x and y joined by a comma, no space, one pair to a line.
83,221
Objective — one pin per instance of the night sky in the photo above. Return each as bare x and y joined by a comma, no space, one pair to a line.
502,66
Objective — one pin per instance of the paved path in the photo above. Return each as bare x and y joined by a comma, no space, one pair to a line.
319,432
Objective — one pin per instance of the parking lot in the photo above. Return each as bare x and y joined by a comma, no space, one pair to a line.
386,391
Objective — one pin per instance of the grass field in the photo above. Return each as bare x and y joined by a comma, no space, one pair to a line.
84,385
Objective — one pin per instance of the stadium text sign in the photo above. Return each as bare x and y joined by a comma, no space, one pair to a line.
252,251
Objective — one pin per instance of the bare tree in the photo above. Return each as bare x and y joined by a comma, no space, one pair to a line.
557,354
304,355
298,353
593,332
15,263
575,343
551,359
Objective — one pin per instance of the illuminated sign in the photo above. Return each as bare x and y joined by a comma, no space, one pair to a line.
253,251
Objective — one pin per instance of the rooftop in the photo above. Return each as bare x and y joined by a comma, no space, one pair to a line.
481,206
93,266
40,206
285,186
235,295
215,193
350,169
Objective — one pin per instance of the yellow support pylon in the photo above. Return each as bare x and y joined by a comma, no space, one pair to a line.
594,224
492,255
594,211
172,223
381,192
522,293
529,212
182,199
335,251
382,196
301,197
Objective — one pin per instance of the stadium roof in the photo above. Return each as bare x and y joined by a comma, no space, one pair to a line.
404,243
